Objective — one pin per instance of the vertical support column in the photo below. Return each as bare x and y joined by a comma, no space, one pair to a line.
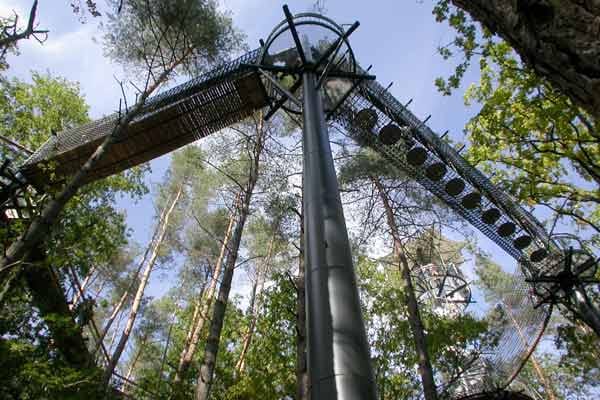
339,363
588,312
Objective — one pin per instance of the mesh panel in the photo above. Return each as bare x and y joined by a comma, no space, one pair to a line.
205,95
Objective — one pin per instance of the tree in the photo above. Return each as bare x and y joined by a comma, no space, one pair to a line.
367,167
254,144
184,165
32,112
271,358
265,243
540,146
90,231
203,304
10,33
146,36
451,342
557,40
416,324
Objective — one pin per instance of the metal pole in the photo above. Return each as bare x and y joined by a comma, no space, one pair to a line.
339,363
582,304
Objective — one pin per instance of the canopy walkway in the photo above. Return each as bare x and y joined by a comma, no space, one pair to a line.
169,121
375,118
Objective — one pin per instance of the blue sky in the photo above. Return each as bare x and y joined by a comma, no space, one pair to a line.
398,37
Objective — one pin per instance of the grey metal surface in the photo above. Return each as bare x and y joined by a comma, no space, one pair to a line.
339,363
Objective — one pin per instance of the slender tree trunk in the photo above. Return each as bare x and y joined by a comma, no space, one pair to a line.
190,333
207,368
239,365
116,310
86,281
558,39
414,317
41,226
302,384
218,316
203,308
48,296
113,337
119,306
99,290
159,376
137,301
131,368
257,289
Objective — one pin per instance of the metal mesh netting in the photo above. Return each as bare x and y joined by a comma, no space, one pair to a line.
316,34
169,120
442,287
518,325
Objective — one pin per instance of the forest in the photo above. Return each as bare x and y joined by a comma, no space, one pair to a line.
185,277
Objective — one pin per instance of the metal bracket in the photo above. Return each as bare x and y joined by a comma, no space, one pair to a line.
281,89
360,79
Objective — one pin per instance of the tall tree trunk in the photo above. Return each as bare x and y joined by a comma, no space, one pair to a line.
302,384
254,308
203,307
48,296
558,39
116,310
137,301
207,368
414,317
113,337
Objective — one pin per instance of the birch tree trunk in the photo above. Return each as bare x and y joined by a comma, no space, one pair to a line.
123,299
137,301
257,289
203,309
207,368
558,39
131,368
116,310
86,281
414,317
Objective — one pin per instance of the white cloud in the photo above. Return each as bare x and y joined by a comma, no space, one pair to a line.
8,8
75,56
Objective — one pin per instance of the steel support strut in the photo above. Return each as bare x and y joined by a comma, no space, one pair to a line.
339,363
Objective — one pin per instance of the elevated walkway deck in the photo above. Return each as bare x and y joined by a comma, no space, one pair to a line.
169,121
